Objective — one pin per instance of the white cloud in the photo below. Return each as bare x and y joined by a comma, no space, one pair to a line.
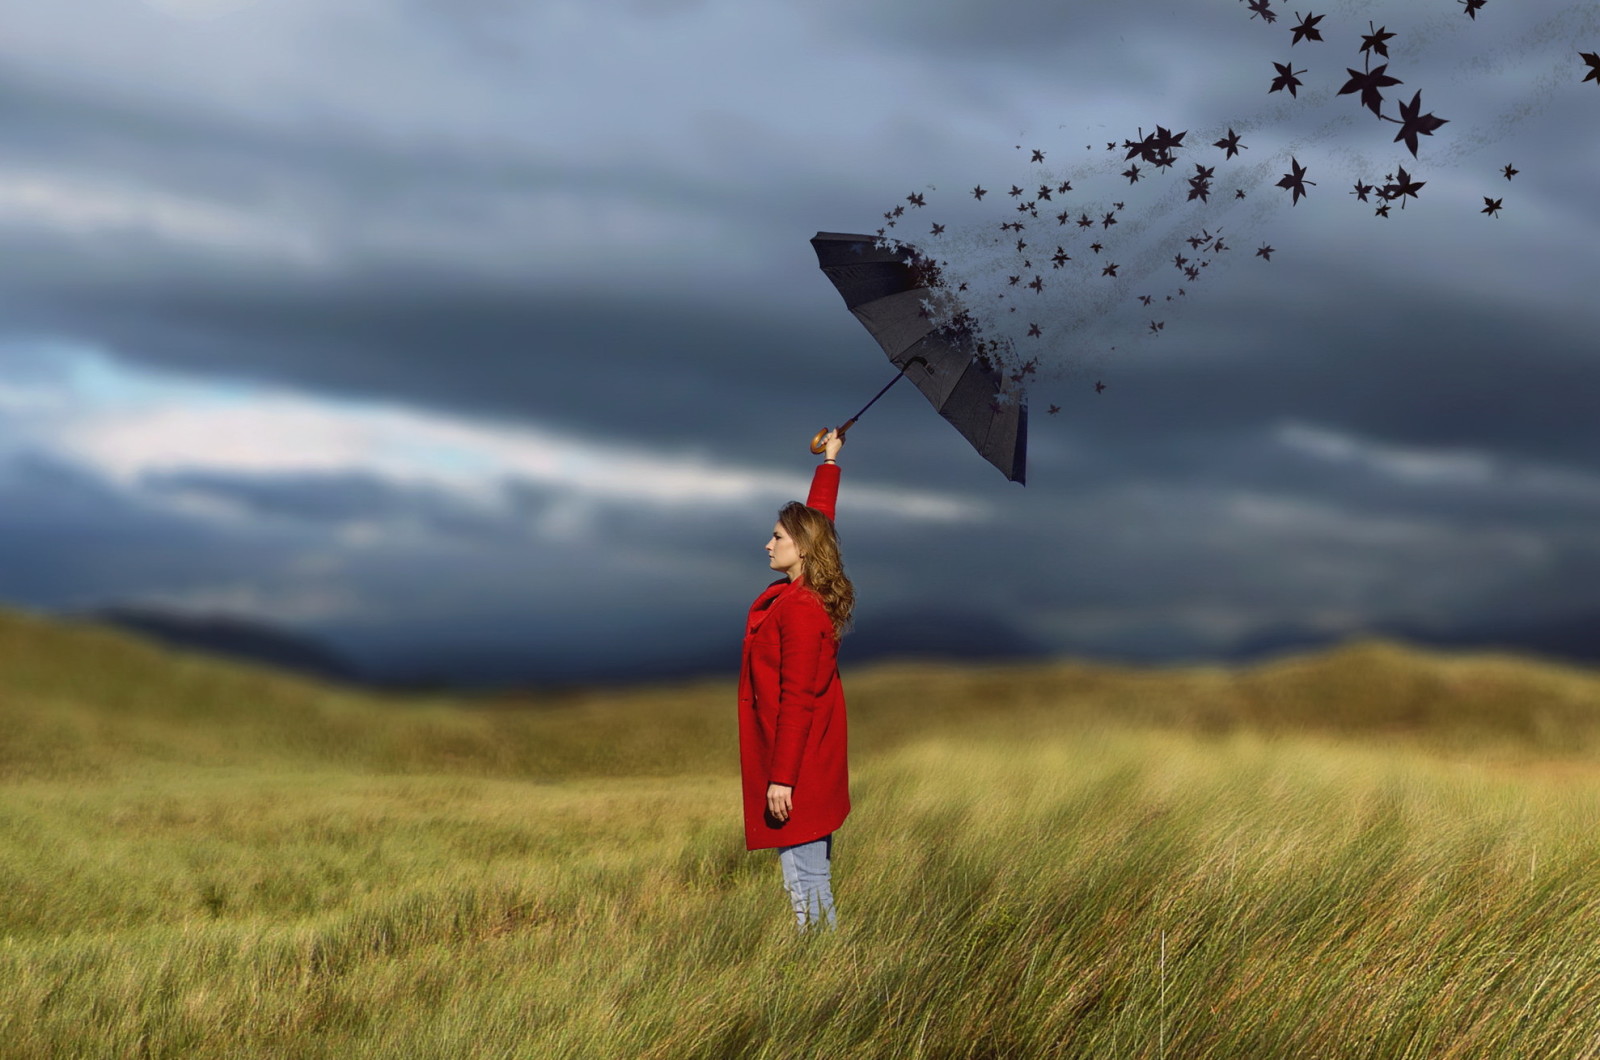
1438,467
83,209
128,425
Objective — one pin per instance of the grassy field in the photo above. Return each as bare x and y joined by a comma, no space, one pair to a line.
1372,852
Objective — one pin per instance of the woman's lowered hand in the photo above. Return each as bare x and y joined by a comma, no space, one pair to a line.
780,800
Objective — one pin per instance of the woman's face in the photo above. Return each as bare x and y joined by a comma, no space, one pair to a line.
781,552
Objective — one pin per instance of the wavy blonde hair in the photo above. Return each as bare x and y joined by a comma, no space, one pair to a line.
818,544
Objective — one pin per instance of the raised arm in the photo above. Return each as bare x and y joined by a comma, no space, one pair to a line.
825,480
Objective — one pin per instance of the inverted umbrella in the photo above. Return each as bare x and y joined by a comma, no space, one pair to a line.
888,291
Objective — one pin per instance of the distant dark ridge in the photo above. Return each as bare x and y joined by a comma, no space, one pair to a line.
933,635
228,636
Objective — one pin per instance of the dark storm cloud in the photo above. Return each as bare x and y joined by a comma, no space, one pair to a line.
1247,469
75,541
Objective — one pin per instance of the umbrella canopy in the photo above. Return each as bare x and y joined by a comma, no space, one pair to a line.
889,291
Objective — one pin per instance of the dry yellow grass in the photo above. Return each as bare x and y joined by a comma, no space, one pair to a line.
1372,852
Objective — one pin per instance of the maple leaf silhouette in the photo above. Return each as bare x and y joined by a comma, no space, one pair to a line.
1084,221
1098,386
1021,246
1238,193
1509,172
1491,206
938,230
1015,191
1144,298
1264,251
1362,191
915,199
1307,30
1403,185
1414,123
1044,191
979,192
1296,181
1286,78
1155,327
1262,8
1033,331
1376,40
1064,187
1038,155
1472,8
1037,284
1061,257
1109,270
1096,247
1368,83
1108,221
1063,217
1054,409
1132,173
1230,143
1593,59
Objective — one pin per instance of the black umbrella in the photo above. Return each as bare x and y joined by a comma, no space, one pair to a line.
890,291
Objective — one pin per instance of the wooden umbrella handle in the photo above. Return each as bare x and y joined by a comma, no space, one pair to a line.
816,442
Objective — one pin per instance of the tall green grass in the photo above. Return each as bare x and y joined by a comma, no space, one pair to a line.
1373,853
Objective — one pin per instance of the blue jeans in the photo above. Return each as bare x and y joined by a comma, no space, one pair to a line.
806,870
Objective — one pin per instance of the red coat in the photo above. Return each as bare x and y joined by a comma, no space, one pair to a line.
791,706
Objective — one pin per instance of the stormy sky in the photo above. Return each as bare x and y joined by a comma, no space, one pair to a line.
482,339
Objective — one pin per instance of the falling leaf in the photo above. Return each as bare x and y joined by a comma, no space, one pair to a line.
1263,9
1296,181
1593,59
1491,206
1376,40
1403,185
1307,30
1230,143
1286,78
1368,83
1414,123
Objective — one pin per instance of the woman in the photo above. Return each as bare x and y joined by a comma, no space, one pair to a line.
791,707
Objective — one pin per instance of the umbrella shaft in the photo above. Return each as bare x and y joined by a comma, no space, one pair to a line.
879,394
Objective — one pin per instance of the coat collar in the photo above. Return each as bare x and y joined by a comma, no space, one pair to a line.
769,599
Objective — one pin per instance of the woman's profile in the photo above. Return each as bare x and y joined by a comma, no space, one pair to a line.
796,780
